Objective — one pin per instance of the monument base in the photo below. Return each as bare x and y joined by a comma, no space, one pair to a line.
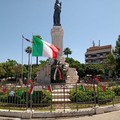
46,74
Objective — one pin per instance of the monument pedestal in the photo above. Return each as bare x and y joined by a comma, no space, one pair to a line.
57,39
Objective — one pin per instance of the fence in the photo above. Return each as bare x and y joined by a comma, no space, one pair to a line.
58,96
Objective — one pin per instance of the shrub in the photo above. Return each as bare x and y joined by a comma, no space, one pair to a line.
105,96
117,90
37,98
111,84
77,95
81,96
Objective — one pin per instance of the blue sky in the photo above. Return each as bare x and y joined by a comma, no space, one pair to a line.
83,21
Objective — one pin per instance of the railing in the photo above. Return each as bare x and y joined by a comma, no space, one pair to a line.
59,97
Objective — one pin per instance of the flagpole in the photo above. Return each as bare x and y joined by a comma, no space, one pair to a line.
31,61
31,67
22,59
28,66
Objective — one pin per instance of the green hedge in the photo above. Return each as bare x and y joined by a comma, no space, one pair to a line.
77,95
42,98
80,96
105,96
117,90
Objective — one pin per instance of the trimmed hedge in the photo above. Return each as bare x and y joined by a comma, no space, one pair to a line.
77,95
105,96
42,98
81,96
117,90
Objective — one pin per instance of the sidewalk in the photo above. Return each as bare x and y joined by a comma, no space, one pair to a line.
9,118
106,116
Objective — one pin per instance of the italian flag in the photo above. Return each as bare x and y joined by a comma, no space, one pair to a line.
82,88
50,88
4,89
42,48
31,89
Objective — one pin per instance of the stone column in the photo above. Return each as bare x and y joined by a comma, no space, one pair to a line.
57,39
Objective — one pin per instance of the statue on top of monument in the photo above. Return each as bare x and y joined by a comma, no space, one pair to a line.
57,11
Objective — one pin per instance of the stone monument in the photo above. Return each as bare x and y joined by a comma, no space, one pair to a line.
57,34
57,31
44,74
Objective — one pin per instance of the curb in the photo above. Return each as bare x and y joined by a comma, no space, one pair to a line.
31,114
8,118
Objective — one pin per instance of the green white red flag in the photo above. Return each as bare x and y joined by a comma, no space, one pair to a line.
31,89
42,48
50,88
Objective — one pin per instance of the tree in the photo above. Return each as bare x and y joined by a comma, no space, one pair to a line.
117,56
110,65
67,51
2,71
28,50
9,66
93,69
76,64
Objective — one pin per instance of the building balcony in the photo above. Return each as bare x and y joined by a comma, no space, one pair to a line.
97,57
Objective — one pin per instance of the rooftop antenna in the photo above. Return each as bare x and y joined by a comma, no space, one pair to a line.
93,44
99,42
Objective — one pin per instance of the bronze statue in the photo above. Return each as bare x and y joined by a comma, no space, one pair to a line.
57,11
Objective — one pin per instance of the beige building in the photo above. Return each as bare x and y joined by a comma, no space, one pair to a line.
97,54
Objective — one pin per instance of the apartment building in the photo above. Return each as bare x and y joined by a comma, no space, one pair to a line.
97,54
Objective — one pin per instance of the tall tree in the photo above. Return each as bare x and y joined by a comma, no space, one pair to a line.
2,71
9,68
117,56
110,65
28,50
76,64
67,51
93,69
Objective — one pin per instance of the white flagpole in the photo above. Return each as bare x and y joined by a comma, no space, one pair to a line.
22,59
31,62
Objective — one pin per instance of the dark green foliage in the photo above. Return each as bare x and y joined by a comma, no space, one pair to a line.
80,96
77,95
3,98
117,56
105,96
37,98
76,64
93,69
67,51
117,91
